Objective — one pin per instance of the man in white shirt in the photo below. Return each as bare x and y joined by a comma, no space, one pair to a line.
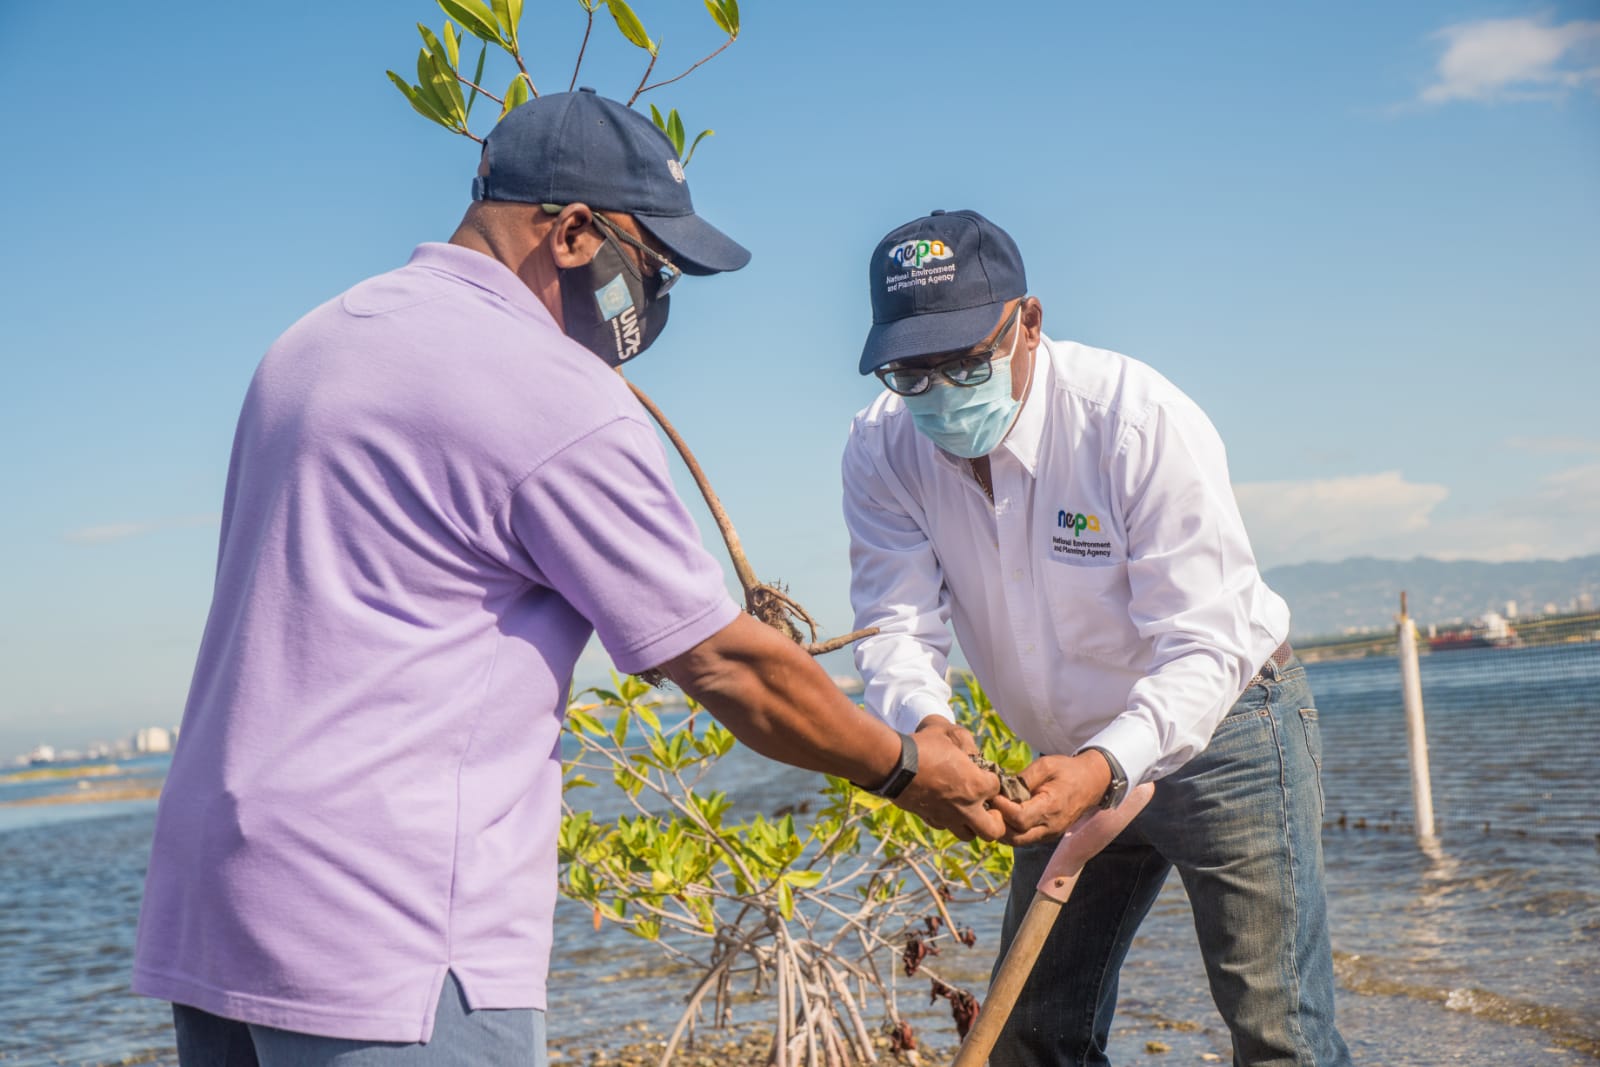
1067,512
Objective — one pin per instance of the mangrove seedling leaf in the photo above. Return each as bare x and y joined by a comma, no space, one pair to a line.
452,45
675,131
516,93
477,77
507,20
421,105
785,900
803,879
474,16
701,137
630,25
719,17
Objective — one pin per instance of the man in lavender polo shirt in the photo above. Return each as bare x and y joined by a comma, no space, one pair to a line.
437,492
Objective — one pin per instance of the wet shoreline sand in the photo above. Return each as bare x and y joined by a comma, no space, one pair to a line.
99,794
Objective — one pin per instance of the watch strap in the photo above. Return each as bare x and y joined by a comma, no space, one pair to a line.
905,769
1118,786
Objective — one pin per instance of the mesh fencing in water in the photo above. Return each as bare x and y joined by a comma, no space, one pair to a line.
1513,728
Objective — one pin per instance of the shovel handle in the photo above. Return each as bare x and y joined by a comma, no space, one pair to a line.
1078,845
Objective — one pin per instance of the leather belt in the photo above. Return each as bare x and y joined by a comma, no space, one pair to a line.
1279,657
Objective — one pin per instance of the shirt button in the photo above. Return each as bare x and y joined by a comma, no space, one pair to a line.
1027,648
1016,575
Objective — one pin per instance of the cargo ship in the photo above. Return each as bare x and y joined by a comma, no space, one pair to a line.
1492,631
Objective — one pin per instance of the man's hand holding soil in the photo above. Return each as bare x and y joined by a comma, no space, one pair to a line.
1063,788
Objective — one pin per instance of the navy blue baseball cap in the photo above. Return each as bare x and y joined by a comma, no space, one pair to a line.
939,284
568,148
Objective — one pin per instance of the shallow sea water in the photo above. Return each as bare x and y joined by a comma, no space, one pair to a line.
1484,950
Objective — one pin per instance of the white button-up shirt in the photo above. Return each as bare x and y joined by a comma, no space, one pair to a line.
1108,596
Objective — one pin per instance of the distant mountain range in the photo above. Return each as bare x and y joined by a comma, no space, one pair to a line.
1355,594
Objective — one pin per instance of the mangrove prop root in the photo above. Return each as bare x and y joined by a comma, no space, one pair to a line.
769,602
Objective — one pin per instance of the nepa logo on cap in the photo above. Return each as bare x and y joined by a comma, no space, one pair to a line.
916,253
676,170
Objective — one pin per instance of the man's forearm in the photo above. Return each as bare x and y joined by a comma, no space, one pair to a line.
779,702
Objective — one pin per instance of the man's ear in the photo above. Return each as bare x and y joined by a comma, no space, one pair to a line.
574,239
1032,319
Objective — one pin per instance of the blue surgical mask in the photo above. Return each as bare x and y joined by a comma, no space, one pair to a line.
968,422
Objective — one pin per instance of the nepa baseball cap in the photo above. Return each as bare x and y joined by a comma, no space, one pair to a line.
566,148
939,284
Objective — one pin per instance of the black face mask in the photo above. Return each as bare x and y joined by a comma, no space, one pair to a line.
610,310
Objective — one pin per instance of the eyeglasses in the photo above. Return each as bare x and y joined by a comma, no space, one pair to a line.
667,272
964,370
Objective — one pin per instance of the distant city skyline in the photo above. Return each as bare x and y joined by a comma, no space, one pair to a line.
1366,243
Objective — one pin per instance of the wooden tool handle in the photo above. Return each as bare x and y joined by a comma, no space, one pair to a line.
1078,845
1007,985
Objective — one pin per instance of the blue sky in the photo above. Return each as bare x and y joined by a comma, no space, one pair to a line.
1366,239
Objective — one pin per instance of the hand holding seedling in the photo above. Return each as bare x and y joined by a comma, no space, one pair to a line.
1063,788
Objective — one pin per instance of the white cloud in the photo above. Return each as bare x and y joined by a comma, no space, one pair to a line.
1384,515
121,531
1335,518
1515,59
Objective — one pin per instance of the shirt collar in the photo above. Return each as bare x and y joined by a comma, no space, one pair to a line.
1028,431
481,271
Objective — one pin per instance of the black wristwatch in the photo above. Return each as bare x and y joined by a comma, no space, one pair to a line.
904,771
1119,781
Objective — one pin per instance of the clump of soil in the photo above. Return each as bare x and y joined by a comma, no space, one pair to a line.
1011,786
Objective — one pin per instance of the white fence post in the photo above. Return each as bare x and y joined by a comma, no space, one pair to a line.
1416,734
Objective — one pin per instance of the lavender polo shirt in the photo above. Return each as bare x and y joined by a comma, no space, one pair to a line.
434,498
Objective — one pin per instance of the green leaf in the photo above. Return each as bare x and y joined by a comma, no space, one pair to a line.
803,879
730,11
648,714
702,136
447,87
517,93
619,732
435,88
655,117
422,107
718,17
675,131
429,39
477,77
474,16
579,719
514,21
452,44
785,900
502,18
630,25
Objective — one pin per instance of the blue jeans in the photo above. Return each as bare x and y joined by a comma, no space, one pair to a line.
1242,823
461,1038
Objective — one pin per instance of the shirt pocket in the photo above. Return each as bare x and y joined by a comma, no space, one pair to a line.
1089,610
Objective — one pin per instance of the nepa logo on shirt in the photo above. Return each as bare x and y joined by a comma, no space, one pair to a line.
1078,538
1077,523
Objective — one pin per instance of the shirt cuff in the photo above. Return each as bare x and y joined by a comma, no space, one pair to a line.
1131,742
916,707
